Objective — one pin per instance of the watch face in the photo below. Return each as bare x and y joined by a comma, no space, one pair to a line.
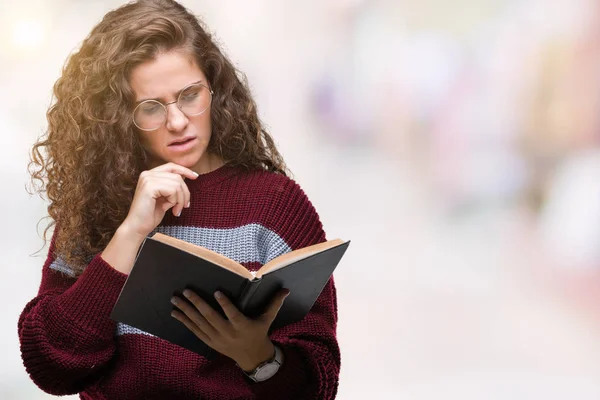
266,371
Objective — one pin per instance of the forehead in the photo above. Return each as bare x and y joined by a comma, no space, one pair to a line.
165,75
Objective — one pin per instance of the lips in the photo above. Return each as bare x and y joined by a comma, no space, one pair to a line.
181,141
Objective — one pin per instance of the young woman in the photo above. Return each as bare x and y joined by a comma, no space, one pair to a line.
153,130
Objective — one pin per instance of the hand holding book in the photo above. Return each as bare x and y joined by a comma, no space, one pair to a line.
166,267
238,337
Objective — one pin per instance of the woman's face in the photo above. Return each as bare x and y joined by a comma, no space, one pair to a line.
163,79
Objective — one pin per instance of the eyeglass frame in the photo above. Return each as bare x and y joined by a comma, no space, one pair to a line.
173,102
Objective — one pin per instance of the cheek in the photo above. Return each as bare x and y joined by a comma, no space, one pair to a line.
202,124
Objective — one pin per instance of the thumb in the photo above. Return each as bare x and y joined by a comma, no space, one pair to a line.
275,306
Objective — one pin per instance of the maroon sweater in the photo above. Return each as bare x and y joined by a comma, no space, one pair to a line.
70,345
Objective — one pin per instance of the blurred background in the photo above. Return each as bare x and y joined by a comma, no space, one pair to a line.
457,144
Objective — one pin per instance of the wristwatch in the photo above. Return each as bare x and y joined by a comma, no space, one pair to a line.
268,368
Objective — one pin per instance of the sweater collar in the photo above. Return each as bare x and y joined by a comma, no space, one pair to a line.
215,176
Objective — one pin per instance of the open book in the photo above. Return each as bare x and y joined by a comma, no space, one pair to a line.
165,266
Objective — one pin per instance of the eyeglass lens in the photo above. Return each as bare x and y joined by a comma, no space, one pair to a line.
193,100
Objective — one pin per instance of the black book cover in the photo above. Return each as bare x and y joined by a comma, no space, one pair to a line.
161,271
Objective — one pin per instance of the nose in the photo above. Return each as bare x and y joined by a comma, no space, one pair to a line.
176,119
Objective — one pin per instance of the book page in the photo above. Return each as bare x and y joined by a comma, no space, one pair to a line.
204,253
293,256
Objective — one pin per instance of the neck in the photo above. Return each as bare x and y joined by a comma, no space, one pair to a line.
210,163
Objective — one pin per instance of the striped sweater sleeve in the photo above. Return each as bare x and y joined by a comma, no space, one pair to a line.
311,352
65,332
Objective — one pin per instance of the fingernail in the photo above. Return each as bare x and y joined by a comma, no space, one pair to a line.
179,215
218,295
187,293
174,300
188,204
197,174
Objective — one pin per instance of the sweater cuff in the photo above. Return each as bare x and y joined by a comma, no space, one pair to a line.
91,299
291,377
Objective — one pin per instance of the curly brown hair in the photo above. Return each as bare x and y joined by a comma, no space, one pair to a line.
93,157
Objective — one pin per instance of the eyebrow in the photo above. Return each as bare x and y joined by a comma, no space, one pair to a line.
175,95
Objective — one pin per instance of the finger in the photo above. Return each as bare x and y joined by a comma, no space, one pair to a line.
184,319
269,315
165,175
186,194
169,200
211,315
177,169
182,188
179,180
233,314
180,199
166,189
194,315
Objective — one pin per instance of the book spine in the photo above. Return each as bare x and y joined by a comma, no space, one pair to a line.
247,293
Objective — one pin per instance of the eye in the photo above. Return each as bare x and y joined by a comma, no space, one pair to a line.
190,95
150,109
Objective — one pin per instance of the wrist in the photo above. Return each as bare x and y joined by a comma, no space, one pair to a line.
122,249
259,355
126,231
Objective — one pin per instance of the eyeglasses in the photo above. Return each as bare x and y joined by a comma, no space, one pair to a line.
193,100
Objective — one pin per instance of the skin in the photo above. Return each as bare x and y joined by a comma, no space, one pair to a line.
162,187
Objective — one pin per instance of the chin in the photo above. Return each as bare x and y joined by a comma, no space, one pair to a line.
189,160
